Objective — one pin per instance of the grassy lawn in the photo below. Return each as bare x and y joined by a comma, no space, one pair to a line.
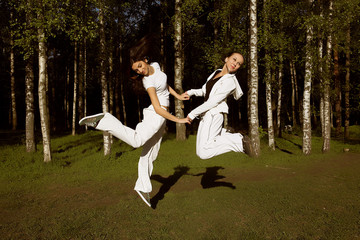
83,195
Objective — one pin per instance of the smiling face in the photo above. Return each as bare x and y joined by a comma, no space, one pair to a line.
234,62
141,67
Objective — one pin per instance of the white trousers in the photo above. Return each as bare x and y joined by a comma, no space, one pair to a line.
147,133
213,140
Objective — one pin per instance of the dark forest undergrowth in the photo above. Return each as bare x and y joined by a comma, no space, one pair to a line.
83,195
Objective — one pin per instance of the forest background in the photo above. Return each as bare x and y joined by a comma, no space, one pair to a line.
62,60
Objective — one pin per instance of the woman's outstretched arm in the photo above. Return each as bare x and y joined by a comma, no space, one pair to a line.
178,96
162,112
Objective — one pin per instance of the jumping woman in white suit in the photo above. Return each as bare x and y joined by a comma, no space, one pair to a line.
148,133
212,139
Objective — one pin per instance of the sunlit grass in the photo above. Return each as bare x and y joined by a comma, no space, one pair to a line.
83,195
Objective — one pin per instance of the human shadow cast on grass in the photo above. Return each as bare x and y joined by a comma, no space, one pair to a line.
284,150
167,183
210,178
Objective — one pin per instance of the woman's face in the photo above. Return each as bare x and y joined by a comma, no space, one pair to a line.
141,67
234,62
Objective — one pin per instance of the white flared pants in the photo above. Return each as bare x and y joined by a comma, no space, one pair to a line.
147,133
212,139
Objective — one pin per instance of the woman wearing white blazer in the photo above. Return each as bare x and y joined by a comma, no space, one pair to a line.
212,138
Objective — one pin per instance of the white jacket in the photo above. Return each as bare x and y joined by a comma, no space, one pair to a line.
226,85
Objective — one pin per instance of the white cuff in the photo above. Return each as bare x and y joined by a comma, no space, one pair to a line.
190,115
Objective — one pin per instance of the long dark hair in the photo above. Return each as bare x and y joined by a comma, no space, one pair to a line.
147,48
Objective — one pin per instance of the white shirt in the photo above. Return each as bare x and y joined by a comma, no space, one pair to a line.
158,80
225,86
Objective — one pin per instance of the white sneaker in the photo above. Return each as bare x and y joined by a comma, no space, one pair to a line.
91,121
145,197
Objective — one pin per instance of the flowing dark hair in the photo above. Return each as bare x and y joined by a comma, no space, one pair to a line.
146,49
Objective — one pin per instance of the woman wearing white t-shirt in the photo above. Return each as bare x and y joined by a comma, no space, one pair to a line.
149,132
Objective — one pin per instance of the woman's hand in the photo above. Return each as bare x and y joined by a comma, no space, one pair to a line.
184,96
183,120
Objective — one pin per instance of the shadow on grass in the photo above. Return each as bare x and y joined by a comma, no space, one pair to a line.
167,183
284,150
209,180
210,177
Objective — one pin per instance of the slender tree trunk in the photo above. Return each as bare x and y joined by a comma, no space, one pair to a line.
271,135
162,42
67,99
337,84
12,81
326,90
80,76
322,102
29,100
111,83
278,109
321,74
104,86
85,80
253,88
347,84
45,128
179,69
293,92
122,87
75,90
307,92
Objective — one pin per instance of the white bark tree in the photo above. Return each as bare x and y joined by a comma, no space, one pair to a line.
75,97
326,90
179,70
270,123
29,101
253,81
42,92
307,90
12,80
104,85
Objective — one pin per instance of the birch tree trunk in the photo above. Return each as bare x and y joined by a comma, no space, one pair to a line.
45,128
80,111
179,69
278,109
12,81
326,91
29,101
162,41
321,49
85,80
104,86
307,91
271,136
75,90
347,84
253,88
111,84
29,97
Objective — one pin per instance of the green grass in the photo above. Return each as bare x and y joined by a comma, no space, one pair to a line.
81,194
